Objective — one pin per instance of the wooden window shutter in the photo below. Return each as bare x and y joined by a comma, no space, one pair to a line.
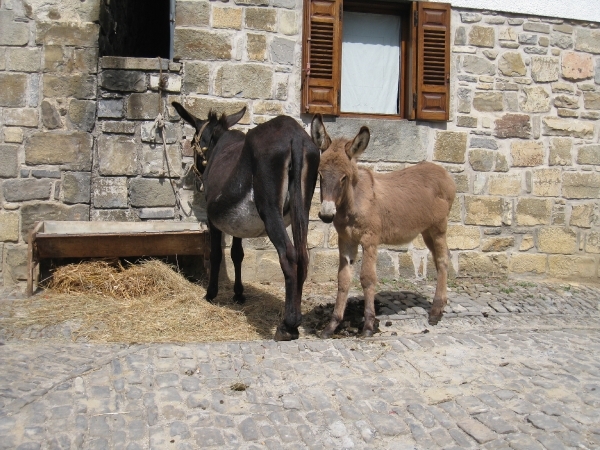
321,56
431,48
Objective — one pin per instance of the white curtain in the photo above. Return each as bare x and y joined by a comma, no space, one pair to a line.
370,63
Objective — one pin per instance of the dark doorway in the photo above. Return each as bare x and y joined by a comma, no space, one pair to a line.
135,28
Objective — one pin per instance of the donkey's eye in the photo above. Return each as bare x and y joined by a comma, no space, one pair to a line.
343,179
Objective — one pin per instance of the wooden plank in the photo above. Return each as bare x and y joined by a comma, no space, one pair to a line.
84,227
32,258
121,245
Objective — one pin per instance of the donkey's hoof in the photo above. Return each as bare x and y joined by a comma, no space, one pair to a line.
210,299
324,334
433,320
284,334
239,299
366,333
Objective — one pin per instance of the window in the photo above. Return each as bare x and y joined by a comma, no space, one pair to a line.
383,58
136,28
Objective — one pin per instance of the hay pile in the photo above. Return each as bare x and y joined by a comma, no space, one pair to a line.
149,302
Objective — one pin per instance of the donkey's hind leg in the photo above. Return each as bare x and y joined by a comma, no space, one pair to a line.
436,242
237,256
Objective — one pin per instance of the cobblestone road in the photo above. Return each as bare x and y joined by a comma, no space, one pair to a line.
511,367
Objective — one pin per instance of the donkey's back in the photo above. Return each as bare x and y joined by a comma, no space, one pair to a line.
407,202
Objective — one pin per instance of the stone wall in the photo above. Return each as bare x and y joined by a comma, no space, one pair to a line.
78,137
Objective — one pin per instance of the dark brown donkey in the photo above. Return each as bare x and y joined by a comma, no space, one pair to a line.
256,184
370,208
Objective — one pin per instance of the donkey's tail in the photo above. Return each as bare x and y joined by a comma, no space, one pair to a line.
303,174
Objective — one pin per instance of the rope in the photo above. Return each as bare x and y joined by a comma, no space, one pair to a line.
159,125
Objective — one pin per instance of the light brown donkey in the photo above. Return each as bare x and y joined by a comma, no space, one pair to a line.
370,208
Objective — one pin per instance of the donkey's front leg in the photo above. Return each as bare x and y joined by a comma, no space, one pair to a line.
216,255
440,299
347,256
368,280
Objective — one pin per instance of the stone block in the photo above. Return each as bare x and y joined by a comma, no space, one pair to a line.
583,215
536,99
114,215
15,264
110,192
150,133
488,101
527,153
158,214
544,69
267,267
118,127
151,192
193,14
289,4
13,135
12,33
466,121
79,86
498,244
14,90
464,98
474,264
261,19
200,106
256,47
9,226
566,101
227,18
83,60
247,81
591,100
196,77
571,267
170,82
282,50
501,164
202,45
561,41
478,65
581,185
323,265
37,211
50,116
21,190
154,163
76,187
83,34
9,161
289,23
482,160
536,27
483,210
557,240
513,126
587,40
21,117
110,108
461,237
143,106
450,146
71,150
462,183
23,59
117,155
553,126
528,39
482,36
82,114
589,154
504,184
577,66
527,263
268,108
533,211
123,80
511,64
592,242
546,182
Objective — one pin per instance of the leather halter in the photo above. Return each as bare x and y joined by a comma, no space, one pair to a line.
200,151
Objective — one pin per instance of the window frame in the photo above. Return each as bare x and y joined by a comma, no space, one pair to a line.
424,91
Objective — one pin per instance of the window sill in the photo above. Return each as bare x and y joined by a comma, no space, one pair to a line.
128,63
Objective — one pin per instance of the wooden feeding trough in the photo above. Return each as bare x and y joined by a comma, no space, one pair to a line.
55,239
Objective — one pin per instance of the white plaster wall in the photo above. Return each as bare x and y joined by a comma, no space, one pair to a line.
586,10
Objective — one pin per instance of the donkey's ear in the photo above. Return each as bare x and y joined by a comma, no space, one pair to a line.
359,144
235,118
185,115
319,134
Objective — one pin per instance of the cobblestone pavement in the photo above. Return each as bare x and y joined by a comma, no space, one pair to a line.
511,366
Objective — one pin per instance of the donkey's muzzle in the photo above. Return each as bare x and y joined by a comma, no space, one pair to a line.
327,212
